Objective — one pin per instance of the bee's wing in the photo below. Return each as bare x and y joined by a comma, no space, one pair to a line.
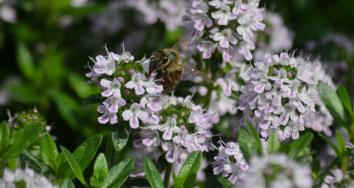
181,44
191,73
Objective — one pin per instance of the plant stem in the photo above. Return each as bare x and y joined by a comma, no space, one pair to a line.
168,171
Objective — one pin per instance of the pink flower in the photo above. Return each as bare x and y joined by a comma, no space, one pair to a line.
107,115
111,87
134,114
136,83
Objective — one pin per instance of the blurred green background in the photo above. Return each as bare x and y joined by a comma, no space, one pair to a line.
45,50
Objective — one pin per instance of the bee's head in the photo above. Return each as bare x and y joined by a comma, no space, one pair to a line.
159,59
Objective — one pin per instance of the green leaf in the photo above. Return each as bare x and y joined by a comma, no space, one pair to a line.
100,171
247,145
68,108
67,183
189,170
175,179
172,37
49,151
345,98
152,174
253,132
87,150
273,143
80,86
33,161
333,103
118,174
120,139
249,141
4,135
333,146
24,93
341,143
225,182
74,165
24,61
297,146
60,160
22,139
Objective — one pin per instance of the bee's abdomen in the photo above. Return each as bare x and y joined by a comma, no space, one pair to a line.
171,80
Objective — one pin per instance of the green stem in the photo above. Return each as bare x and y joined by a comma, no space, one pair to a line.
166,181
351,131
208,96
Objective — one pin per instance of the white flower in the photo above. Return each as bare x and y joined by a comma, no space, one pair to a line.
229,161
27,176
113,103
139,85
111,87
107,115
134,114
225,38
228,85
149,138
207,48
104,66
201,119
223,15
125,57
169,128
152,102
136,83
202,21
153,88
276,171
282,96
172,152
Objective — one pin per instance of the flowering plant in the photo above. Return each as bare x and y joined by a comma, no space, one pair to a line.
224,100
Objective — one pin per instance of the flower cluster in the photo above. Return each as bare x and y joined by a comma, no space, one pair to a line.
282,96
276,171
24,178
228,26
170,12
122,80
229,161
179,127
175,124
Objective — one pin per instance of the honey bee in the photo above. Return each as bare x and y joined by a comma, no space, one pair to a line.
168,66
